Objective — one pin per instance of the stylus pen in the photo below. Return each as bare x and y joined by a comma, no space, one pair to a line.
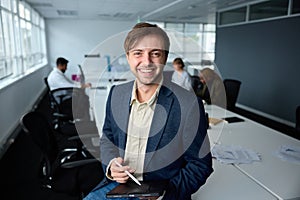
128,173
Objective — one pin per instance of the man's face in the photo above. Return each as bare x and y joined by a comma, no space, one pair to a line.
62,67
147,59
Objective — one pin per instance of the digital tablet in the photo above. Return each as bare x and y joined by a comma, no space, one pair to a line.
131,189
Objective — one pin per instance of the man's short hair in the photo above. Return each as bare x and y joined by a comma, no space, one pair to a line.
143,29
61,61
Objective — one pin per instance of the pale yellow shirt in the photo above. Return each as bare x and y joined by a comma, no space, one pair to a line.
138,129
139,124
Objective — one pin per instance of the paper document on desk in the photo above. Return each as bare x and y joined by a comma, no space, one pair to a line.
214,121
289,153
230,154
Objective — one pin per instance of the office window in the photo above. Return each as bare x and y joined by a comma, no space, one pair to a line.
233,16
269,9
22,38
18,55
194,42
26,43
9,45
175,26
14,6
43,38
6,4
22,10
27,12
209,40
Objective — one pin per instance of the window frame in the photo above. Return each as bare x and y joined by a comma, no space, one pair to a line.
21,48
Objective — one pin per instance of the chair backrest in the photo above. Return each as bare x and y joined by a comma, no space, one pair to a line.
37,126
298,119
232,88
61,100
52,174
196,83
46,83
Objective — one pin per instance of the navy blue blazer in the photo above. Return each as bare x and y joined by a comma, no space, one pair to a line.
178,147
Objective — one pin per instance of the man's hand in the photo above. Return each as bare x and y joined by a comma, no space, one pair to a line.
86,85
118,173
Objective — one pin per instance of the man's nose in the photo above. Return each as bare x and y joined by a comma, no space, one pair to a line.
147,59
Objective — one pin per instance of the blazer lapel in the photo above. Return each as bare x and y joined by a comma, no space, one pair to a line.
161,113
121,107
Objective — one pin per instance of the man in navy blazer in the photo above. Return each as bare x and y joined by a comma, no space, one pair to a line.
155,129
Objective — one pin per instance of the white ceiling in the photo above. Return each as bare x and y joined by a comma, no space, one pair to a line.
197,11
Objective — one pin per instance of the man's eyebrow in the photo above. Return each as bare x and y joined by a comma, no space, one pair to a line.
135,50
157,50
140,50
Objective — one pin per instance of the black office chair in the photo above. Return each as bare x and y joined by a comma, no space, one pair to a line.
62,101
61,167
69,122
196,84
61,105
298,120
232,88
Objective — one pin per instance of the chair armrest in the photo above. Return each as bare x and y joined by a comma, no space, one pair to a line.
85,136
78,163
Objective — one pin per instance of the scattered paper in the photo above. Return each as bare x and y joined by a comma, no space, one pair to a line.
289,153
230,154
214,121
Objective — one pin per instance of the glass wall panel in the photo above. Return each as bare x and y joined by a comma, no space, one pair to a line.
269,9
296,7
233,16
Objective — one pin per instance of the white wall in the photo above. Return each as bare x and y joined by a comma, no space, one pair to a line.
17,99
73,39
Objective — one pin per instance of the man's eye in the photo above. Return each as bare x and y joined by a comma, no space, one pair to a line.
156,54
137,53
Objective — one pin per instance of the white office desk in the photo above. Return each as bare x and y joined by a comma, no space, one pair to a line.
280,177
228,183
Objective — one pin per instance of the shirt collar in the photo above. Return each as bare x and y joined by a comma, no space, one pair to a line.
151,100
58,70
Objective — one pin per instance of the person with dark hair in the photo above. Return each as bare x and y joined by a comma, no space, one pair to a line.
153,128
73,93
180,76
58,79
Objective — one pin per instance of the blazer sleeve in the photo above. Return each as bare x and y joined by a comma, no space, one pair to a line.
197,160
108,143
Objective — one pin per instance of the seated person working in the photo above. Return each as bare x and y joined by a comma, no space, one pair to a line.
180,76
57,80
153,128
212,91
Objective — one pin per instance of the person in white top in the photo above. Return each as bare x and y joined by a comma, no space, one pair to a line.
180,76
58,79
